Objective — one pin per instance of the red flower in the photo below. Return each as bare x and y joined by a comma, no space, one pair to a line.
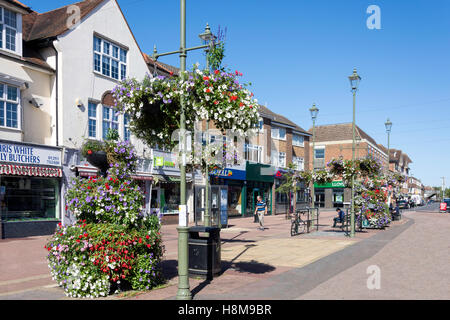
216,71
140,240
233,98
171,73
208,91
89,152
241,104
149,246
216,102
205,78
147,237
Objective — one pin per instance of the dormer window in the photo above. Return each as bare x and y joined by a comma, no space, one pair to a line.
10,30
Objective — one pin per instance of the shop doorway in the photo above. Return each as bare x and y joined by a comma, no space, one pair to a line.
320,198
338,198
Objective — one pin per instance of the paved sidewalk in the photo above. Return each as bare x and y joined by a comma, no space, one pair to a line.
249,256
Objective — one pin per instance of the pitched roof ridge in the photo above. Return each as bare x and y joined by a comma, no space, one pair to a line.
67,5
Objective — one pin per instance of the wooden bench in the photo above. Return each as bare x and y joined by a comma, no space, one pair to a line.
344,223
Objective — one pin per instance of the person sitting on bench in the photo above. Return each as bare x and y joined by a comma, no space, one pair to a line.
339,218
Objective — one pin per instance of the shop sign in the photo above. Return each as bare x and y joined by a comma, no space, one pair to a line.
7,169
228,174
163,162
25,154
333,184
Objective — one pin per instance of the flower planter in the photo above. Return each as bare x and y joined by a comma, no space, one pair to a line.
21,229
99,159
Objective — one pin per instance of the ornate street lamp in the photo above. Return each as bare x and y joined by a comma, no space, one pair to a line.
314,111
183,229
208,38
354,82
388,125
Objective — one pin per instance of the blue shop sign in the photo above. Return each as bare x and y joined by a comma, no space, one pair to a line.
228,174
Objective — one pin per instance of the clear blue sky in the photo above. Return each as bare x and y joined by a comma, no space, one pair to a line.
298,52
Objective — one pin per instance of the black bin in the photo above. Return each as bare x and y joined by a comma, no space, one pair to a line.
204,252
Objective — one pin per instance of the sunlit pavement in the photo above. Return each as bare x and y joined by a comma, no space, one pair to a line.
267,264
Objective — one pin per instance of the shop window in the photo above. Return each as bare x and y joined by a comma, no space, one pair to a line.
28,198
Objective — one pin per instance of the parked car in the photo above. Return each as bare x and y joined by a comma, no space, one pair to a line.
403,204
445,205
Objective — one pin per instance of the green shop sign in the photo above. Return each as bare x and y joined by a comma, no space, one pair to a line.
332,184
160,162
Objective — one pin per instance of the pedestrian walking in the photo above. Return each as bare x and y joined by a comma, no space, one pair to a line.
260,210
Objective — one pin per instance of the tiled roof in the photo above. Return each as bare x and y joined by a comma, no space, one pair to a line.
19,4
38,26
395,156
166,69
339,132
267,113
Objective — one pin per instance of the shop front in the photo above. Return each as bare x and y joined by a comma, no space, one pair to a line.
331,195
30,188
260,182
165,191
233,181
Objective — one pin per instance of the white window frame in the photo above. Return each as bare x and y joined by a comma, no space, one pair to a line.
4,99
109,55
299,160
294,143
110,120
276,129
17,30
126,128
276,159
94,119
250,149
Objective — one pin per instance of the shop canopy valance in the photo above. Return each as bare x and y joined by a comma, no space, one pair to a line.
33,171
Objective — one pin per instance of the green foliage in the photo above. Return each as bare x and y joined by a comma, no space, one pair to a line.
91,146
112,135
216,55
113,236
147,272
86,259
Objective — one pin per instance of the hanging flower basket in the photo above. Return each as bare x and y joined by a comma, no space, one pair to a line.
99,159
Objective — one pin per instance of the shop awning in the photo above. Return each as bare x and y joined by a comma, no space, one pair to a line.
87,171
33,171
141,177
93,172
